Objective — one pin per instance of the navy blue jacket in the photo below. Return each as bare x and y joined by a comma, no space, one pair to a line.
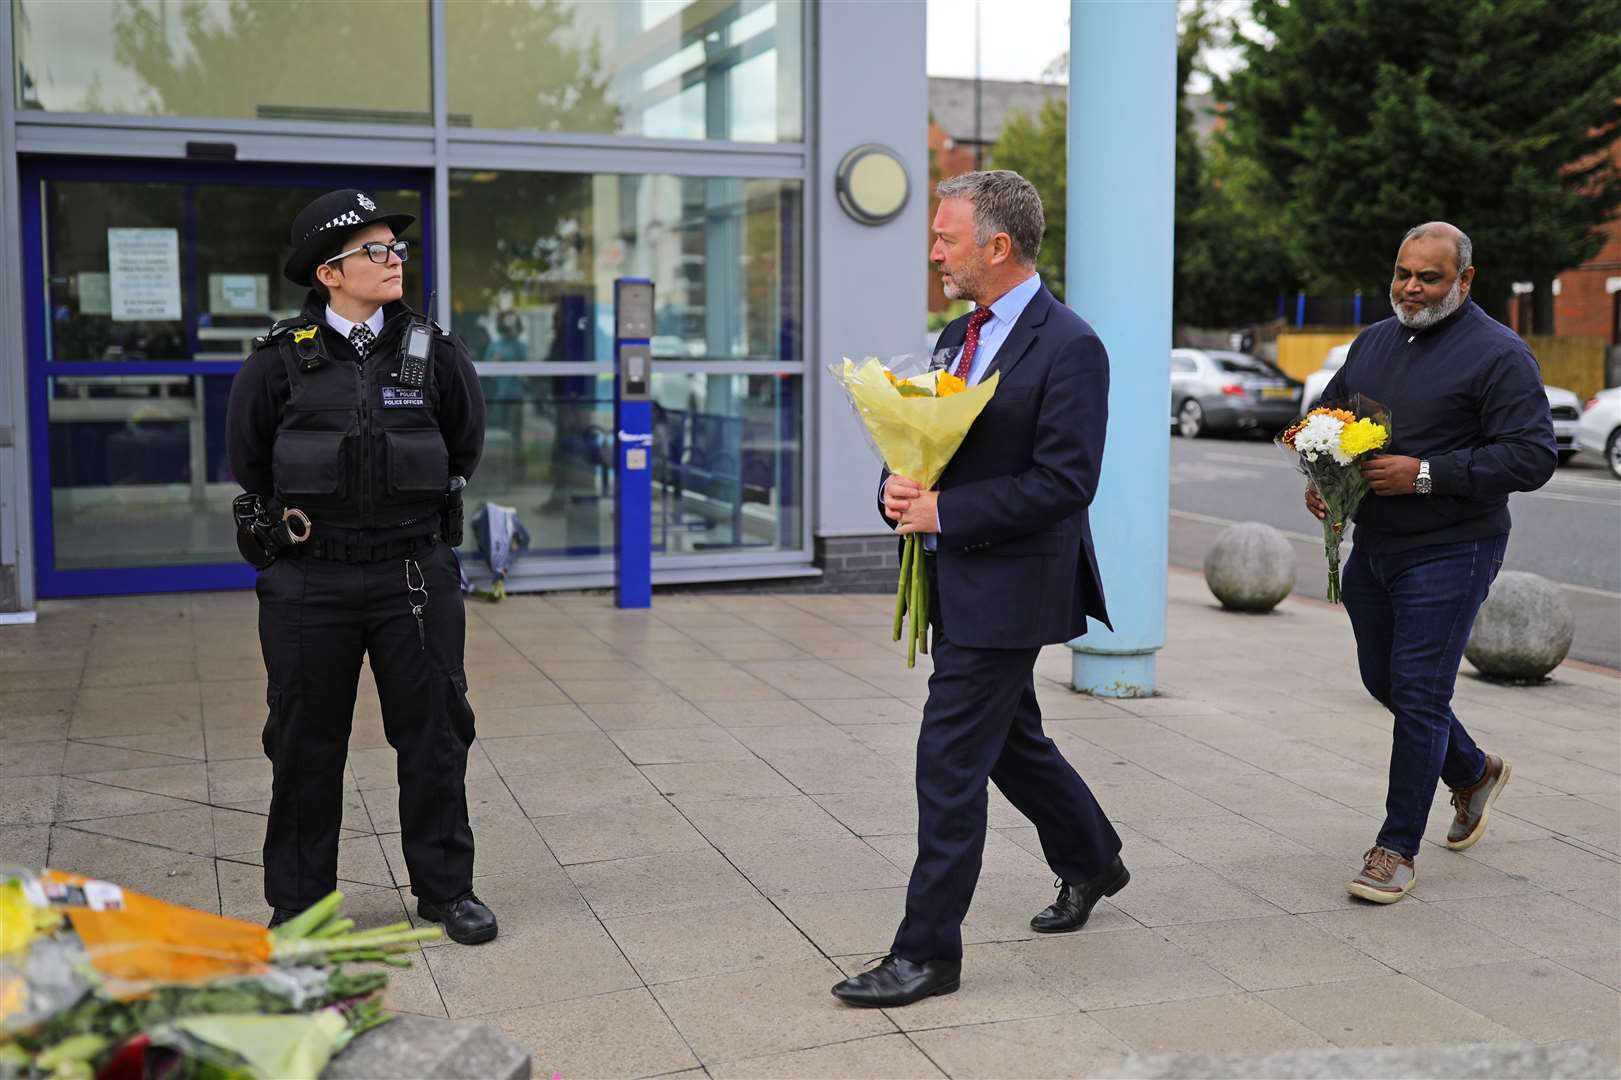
1465,395
1015,561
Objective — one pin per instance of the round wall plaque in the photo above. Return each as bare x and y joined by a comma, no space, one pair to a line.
871,184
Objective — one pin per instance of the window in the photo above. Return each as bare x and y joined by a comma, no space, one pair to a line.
668,69
1238,364
533,262
266,59
534,257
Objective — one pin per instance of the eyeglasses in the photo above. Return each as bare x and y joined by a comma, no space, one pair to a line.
377,251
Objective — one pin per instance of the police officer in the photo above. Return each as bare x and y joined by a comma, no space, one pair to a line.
352,427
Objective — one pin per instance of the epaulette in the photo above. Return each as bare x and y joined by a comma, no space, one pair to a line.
282,326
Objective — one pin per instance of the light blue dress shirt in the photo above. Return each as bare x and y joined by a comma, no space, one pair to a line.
1004,313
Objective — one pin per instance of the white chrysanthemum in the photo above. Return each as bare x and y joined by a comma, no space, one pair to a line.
1321,435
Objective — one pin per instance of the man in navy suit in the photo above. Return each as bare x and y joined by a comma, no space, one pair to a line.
1010,568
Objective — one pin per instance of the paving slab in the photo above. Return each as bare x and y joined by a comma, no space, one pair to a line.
692,819
1229,1022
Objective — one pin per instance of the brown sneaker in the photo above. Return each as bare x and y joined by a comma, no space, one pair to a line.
1385,878
1474,803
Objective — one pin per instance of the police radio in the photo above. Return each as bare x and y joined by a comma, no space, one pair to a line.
414,354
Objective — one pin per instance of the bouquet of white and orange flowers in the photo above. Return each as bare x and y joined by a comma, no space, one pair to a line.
915,423
1328,443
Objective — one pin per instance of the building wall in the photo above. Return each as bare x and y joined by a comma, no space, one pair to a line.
863,287
870,280
1586,306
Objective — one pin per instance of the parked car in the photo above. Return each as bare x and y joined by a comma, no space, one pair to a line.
1563,404
1216,390
1599,429
1566,408
1317,381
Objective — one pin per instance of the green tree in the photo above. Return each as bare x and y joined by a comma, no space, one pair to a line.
1229,262
1361,120
1036,149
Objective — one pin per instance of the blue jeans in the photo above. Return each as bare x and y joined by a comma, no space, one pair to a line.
1412,613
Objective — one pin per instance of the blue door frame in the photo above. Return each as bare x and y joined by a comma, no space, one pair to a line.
34,174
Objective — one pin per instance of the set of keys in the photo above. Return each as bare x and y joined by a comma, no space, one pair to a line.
412,591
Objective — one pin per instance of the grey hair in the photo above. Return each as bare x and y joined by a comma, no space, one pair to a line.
1463,248
1003,201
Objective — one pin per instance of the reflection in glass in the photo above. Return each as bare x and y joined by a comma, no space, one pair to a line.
534,257
217,270
670,69
726,461
139,475
267,59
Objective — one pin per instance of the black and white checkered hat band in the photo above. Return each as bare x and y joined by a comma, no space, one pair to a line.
348,217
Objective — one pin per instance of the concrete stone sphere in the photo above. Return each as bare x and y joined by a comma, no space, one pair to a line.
1250,567
1524,629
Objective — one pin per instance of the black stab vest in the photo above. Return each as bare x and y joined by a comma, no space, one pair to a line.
354,449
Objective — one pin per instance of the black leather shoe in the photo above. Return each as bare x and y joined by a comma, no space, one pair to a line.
467,921
281,915
1075,902
897,982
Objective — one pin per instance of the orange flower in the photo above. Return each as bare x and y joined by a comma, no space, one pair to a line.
1339,414
949,384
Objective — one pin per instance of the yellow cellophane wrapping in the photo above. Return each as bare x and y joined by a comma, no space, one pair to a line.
915,436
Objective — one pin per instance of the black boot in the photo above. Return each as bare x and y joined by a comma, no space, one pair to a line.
899,982
467,921
1075,902
281,915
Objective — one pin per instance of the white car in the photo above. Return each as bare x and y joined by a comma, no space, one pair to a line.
1565,406
1600,428
1317,381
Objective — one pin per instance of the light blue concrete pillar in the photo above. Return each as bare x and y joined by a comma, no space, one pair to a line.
1122,170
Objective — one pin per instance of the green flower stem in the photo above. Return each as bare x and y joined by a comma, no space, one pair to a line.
309,920
908,546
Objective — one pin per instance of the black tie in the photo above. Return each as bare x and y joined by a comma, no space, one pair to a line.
361,338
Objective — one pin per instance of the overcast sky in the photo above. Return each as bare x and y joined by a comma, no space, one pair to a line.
1021,46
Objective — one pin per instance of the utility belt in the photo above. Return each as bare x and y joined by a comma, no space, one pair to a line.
266,532
340,549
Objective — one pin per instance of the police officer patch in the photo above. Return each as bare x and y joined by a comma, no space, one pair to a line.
365,203
403,397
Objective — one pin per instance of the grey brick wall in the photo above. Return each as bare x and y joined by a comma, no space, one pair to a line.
857,563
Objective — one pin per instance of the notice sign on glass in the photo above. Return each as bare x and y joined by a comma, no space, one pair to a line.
144,268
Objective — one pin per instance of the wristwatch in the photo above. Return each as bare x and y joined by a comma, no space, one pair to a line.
1422,484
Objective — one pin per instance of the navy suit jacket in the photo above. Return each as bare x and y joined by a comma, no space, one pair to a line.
1015,559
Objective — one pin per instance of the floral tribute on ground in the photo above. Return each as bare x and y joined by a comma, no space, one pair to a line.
100,981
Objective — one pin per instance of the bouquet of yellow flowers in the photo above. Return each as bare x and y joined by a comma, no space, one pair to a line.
1328,443
915,424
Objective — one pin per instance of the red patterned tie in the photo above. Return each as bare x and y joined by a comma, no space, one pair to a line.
970,344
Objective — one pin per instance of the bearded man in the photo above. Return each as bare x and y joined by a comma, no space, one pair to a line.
1470,425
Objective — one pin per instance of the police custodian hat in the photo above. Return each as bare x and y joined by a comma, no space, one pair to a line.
331,217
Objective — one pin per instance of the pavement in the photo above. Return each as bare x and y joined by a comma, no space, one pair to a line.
691,820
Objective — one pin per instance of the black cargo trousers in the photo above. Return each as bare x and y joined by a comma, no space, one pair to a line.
317,619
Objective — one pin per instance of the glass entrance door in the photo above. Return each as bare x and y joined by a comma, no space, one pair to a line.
144,287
